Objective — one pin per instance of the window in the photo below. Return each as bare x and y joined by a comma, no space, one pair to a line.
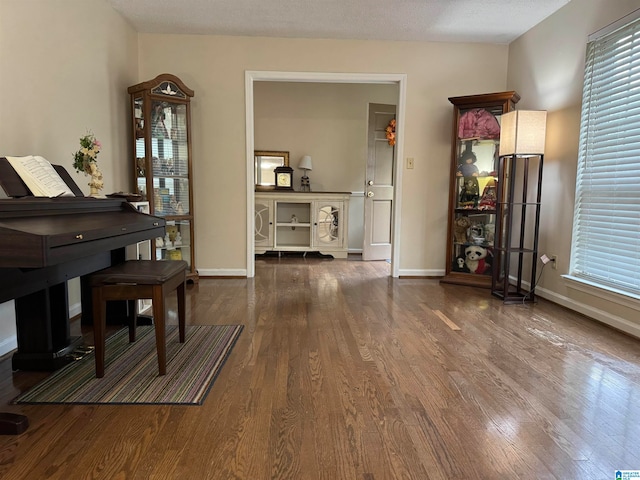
606,225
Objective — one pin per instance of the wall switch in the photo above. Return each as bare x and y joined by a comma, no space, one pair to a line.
409,162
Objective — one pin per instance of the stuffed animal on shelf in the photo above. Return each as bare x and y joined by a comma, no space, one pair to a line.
469,193
478,123
466,163
172,231
459,265
488,200
460,229
476,259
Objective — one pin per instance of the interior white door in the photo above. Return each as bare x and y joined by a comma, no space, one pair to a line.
379,180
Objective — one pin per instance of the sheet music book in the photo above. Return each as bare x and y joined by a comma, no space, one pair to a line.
40,176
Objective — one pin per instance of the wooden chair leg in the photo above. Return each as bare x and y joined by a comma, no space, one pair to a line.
159,322
99,327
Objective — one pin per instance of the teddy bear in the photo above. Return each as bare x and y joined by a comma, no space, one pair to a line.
460,229
476,259
469,193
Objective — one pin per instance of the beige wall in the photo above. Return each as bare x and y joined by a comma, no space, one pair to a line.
214,66
546,67
325,120
65,65
65,69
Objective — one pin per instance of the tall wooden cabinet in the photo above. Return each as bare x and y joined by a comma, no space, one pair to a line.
473,186
162,167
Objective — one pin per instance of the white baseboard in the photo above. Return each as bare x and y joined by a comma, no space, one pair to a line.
421,273
75,309
8,344
607,318
222,272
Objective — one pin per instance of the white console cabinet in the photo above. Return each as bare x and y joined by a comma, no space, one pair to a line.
302,222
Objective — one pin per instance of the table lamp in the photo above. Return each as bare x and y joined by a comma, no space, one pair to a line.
305,164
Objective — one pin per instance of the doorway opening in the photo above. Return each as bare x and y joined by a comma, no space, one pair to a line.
251,77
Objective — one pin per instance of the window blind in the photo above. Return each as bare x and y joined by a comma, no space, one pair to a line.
606,226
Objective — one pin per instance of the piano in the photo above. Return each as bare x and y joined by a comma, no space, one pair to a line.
46,241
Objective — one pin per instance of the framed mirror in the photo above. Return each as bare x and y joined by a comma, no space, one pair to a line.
265,163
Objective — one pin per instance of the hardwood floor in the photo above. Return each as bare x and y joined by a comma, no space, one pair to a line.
344,373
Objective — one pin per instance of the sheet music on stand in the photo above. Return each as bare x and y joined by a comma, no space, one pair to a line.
40,176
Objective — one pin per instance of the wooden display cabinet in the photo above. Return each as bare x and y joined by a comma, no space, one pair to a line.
473,186
162,164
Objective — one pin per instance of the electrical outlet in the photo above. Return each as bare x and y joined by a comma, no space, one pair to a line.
554,262
409,162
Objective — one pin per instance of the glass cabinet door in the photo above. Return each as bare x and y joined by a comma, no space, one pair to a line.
169,159
176,244
263,225
475,204
328,224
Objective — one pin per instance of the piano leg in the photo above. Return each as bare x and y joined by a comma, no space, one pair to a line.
44,338
42,308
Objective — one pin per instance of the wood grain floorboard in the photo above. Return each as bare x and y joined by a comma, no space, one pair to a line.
344,373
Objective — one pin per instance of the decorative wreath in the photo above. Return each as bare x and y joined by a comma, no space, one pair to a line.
391,132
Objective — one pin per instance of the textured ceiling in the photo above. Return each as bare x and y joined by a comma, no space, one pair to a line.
487,21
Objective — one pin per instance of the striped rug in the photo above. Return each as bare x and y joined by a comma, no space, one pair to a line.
131,370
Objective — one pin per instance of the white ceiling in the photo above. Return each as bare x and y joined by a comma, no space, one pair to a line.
487,21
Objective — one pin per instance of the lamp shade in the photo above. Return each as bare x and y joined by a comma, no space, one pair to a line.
522,132
305,163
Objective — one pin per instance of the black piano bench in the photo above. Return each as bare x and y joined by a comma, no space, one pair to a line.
134,280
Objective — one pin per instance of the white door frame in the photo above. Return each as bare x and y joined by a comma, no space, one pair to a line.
252,76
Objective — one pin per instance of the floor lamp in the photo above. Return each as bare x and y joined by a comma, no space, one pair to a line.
521,155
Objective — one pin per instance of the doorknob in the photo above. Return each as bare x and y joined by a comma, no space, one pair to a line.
370,182
370,194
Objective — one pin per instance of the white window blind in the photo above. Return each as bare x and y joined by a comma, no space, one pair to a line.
606,227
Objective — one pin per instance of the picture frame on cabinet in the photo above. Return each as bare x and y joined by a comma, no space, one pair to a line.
265,163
